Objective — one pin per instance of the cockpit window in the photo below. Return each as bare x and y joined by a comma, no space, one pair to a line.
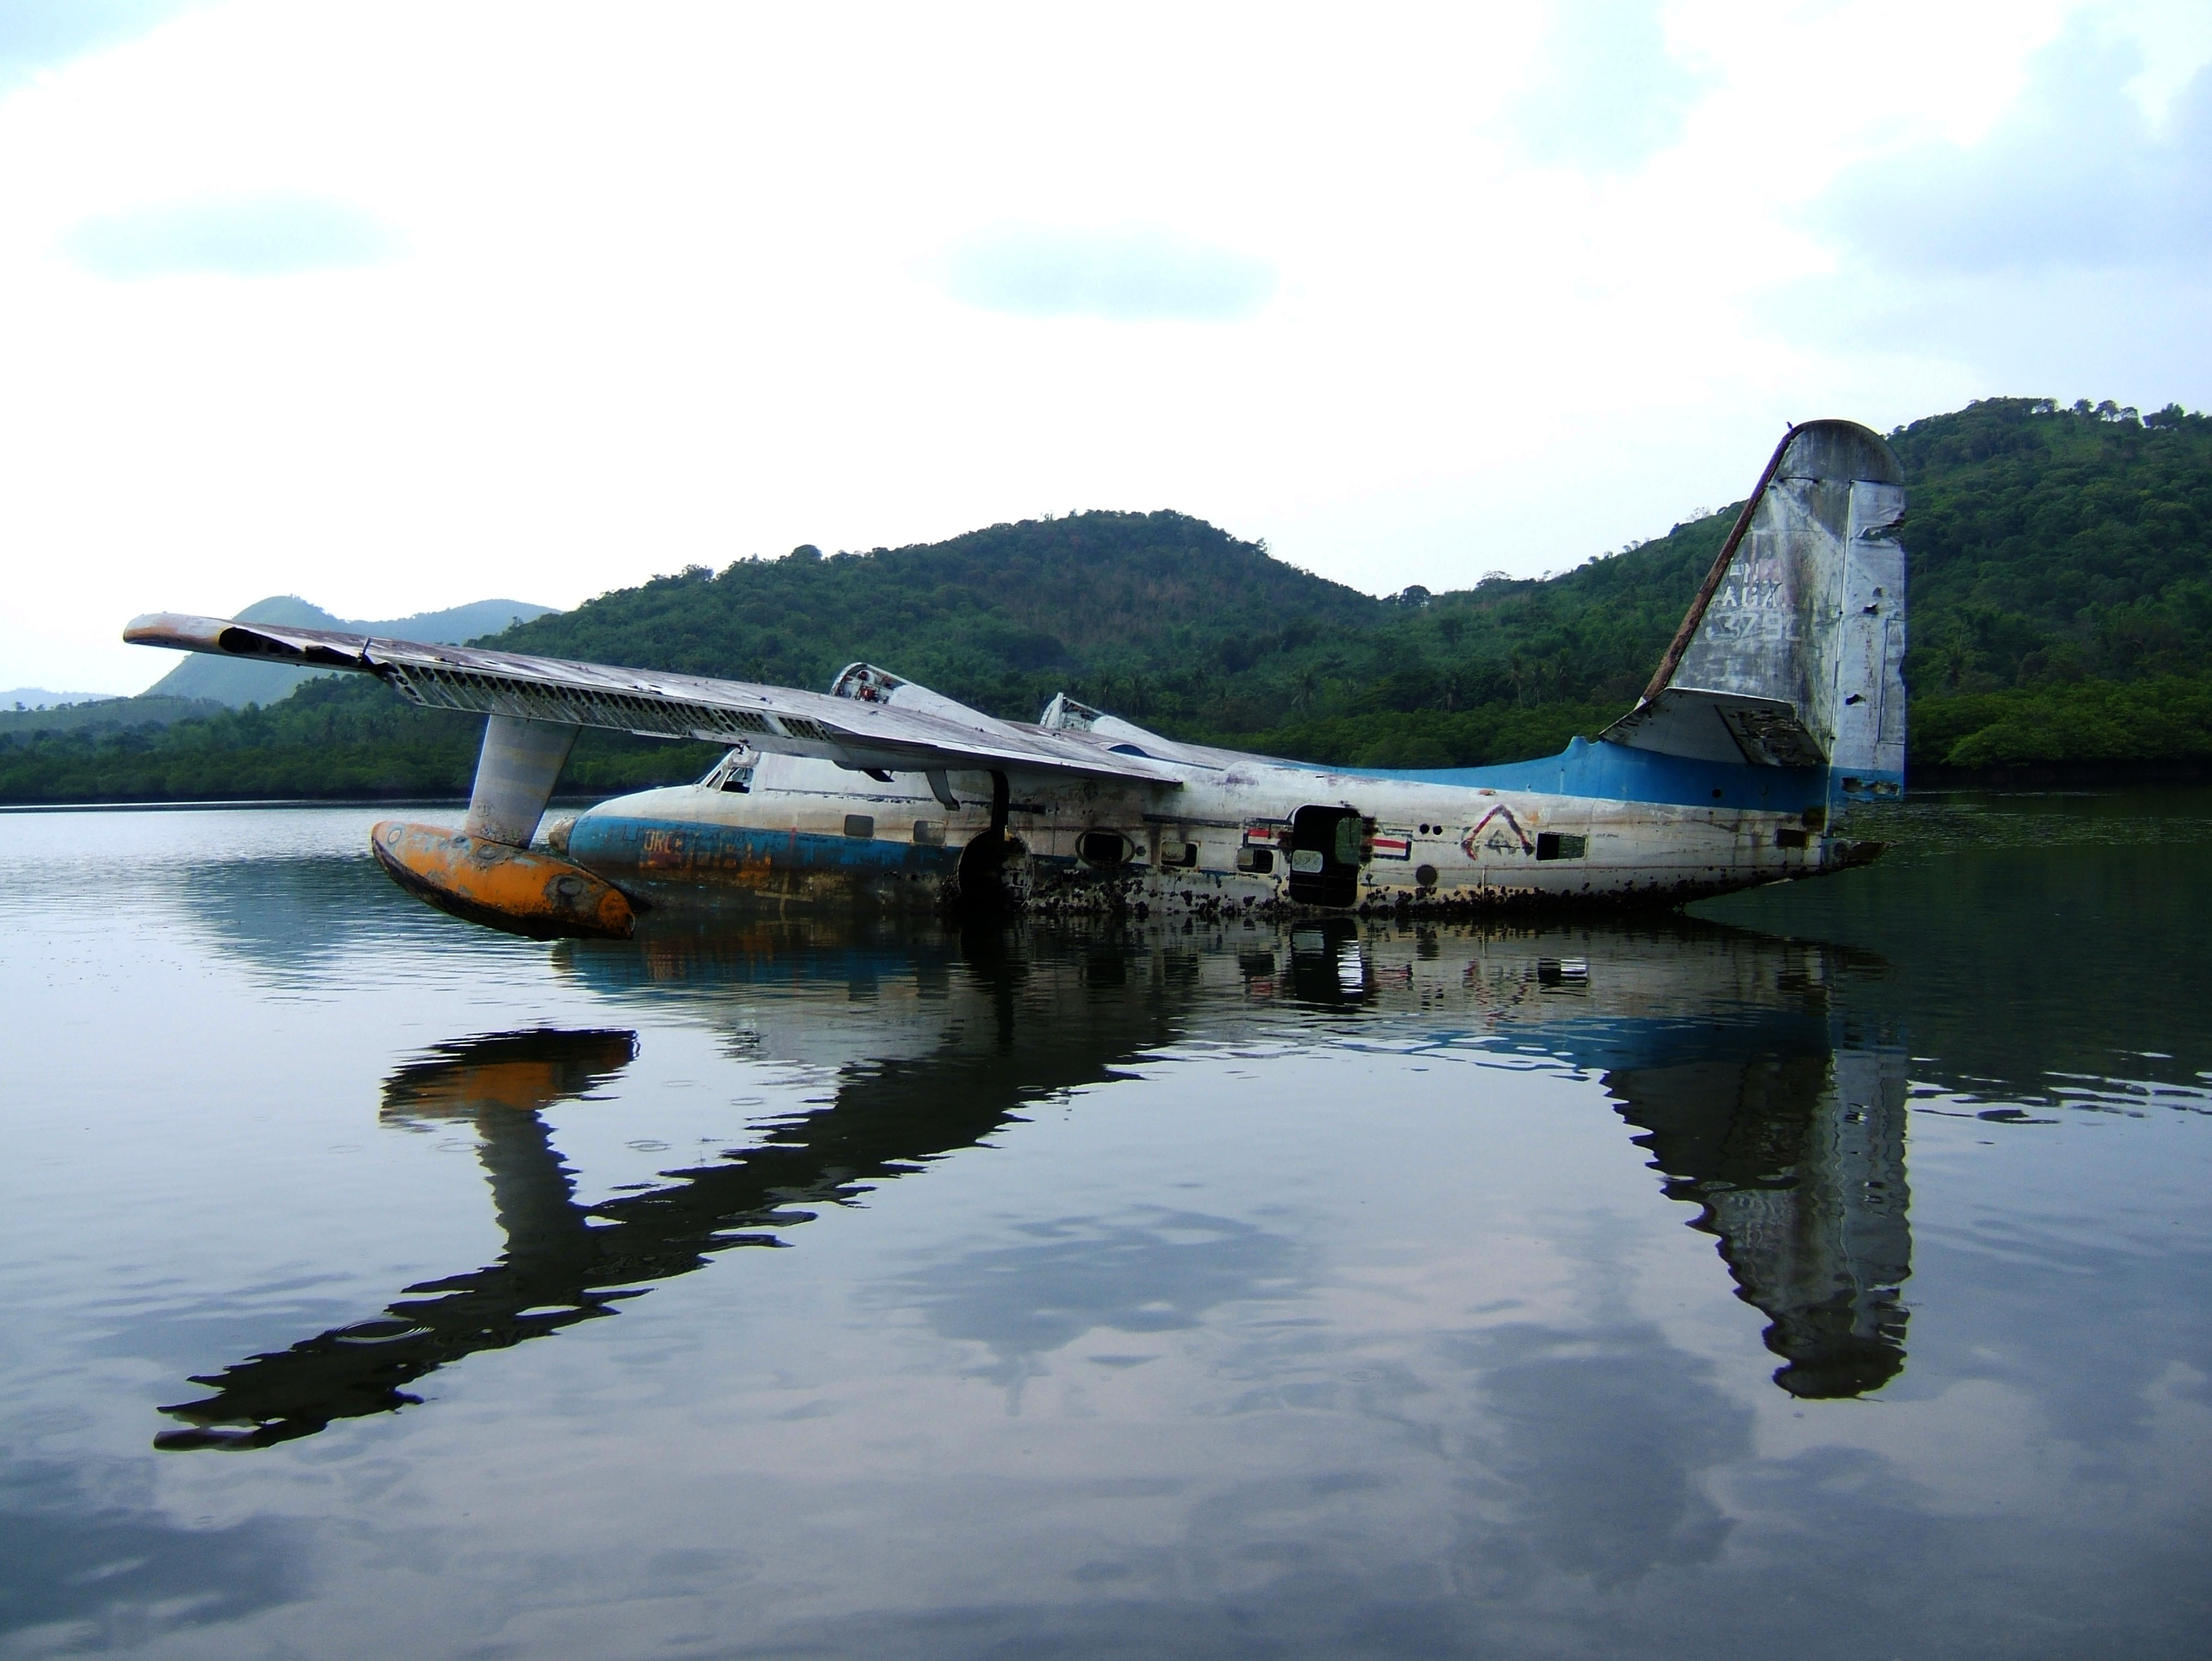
734,772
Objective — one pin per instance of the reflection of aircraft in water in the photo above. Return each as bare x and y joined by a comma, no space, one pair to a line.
1722,1046
1718,1044
1795,1148
565,1263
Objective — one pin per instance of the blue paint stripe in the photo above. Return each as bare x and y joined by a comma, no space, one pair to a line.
685,848
1619,772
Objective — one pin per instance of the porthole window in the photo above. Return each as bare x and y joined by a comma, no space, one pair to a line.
859,826
1182,855
928,834
1551,845
1103,848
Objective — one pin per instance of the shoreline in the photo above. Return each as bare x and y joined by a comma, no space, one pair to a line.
2029,776
2045,775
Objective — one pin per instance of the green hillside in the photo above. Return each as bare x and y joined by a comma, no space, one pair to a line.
107,715
1159,605
2061,613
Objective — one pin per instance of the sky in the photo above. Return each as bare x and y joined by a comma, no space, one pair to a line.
397,305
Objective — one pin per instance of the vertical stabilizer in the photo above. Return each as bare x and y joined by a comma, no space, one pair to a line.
1792,653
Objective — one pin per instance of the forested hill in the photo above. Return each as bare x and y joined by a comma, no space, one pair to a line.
2062,583
1000,618
2062,611
2049,546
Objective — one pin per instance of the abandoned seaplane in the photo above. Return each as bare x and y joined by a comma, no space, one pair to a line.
1778,705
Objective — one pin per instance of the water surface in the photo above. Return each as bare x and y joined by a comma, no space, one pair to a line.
1826,1272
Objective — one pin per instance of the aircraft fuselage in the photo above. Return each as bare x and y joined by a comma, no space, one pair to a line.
1243,834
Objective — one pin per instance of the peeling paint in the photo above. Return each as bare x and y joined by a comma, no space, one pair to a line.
514,890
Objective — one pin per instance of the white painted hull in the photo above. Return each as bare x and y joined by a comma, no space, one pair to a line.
803,835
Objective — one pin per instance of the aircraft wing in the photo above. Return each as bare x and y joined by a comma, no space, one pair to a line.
857,732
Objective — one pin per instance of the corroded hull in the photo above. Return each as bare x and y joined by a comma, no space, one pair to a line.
672,858
802,837
516,890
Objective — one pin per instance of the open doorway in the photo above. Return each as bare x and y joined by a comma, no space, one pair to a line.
1325,856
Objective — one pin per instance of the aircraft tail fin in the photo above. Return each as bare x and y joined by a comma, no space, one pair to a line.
1792,653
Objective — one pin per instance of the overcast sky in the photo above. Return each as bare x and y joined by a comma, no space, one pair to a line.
397,306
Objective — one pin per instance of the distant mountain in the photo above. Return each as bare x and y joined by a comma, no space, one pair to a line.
40,698
1153,611
236,682
107,716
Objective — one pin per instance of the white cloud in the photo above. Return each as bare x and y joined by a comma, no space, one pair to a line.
1130,272
2074,176
1607,90
2058,249
37,35
700,281
244,236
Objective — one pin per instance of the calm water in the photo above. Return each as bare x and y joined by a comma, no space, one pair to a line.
1825,1275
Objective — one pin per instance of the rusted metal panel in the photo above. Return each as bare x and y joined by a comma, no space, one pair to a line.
1434,849
1720,726
1671,659
540,895
1867,702
1792,654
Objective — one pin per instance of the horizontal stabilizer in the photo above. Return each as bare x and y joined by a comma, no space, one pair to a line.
902,735
1720,726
